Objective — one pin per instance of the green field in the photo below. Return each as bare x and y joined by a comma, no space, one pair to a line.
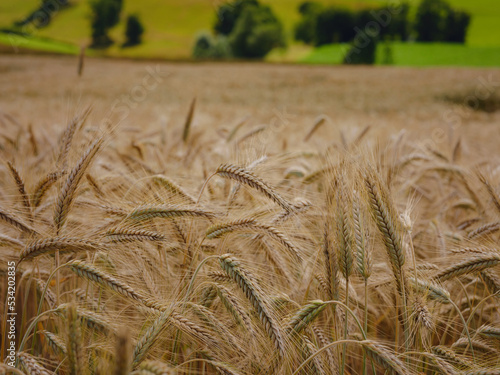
415,54
172,25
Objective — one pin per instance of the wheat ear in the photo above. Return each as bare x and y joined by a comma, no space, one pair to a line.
131,235
31,365
491,190
67,137
149,212
51,245
332,359
67,193
388,225
56,343
155,368
309,348
430,290
193,329
317,124
363,254
232,305
385,358
491,281
305,316
219,230
15,222
20,186
4,239
331,266
450,356
255,295
173,187
475,264
484,230
89,272
246,177
149,337
43,186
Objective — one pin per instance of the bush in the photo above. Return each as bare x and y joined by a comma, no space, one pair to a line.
133,31
209,47
334,25
105,15
256,32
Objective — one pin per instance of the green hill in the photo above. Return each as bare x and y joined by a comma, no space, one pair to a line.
171,25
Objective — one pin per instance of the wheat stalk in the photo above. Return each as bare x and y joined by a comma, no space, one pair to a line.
122,353
74,342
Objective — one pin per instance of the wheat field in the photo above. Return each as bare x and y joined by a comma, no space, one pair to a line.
248,219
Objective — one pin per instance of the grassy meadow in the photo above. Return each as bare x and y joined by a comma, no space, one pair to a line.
234,218
171,28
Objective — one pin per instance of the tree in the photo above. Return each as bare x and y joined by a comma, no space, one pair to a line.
105,15
400,27
305,29
133,31
457,24
362,51
430,21
436,21
256,32
334,25
228,14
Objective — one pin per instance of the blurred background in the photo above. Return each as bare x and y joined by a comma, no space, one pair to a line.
396,32
426,66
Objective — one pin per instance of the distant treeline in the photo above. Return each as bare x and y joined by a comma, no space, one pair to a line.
435,21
